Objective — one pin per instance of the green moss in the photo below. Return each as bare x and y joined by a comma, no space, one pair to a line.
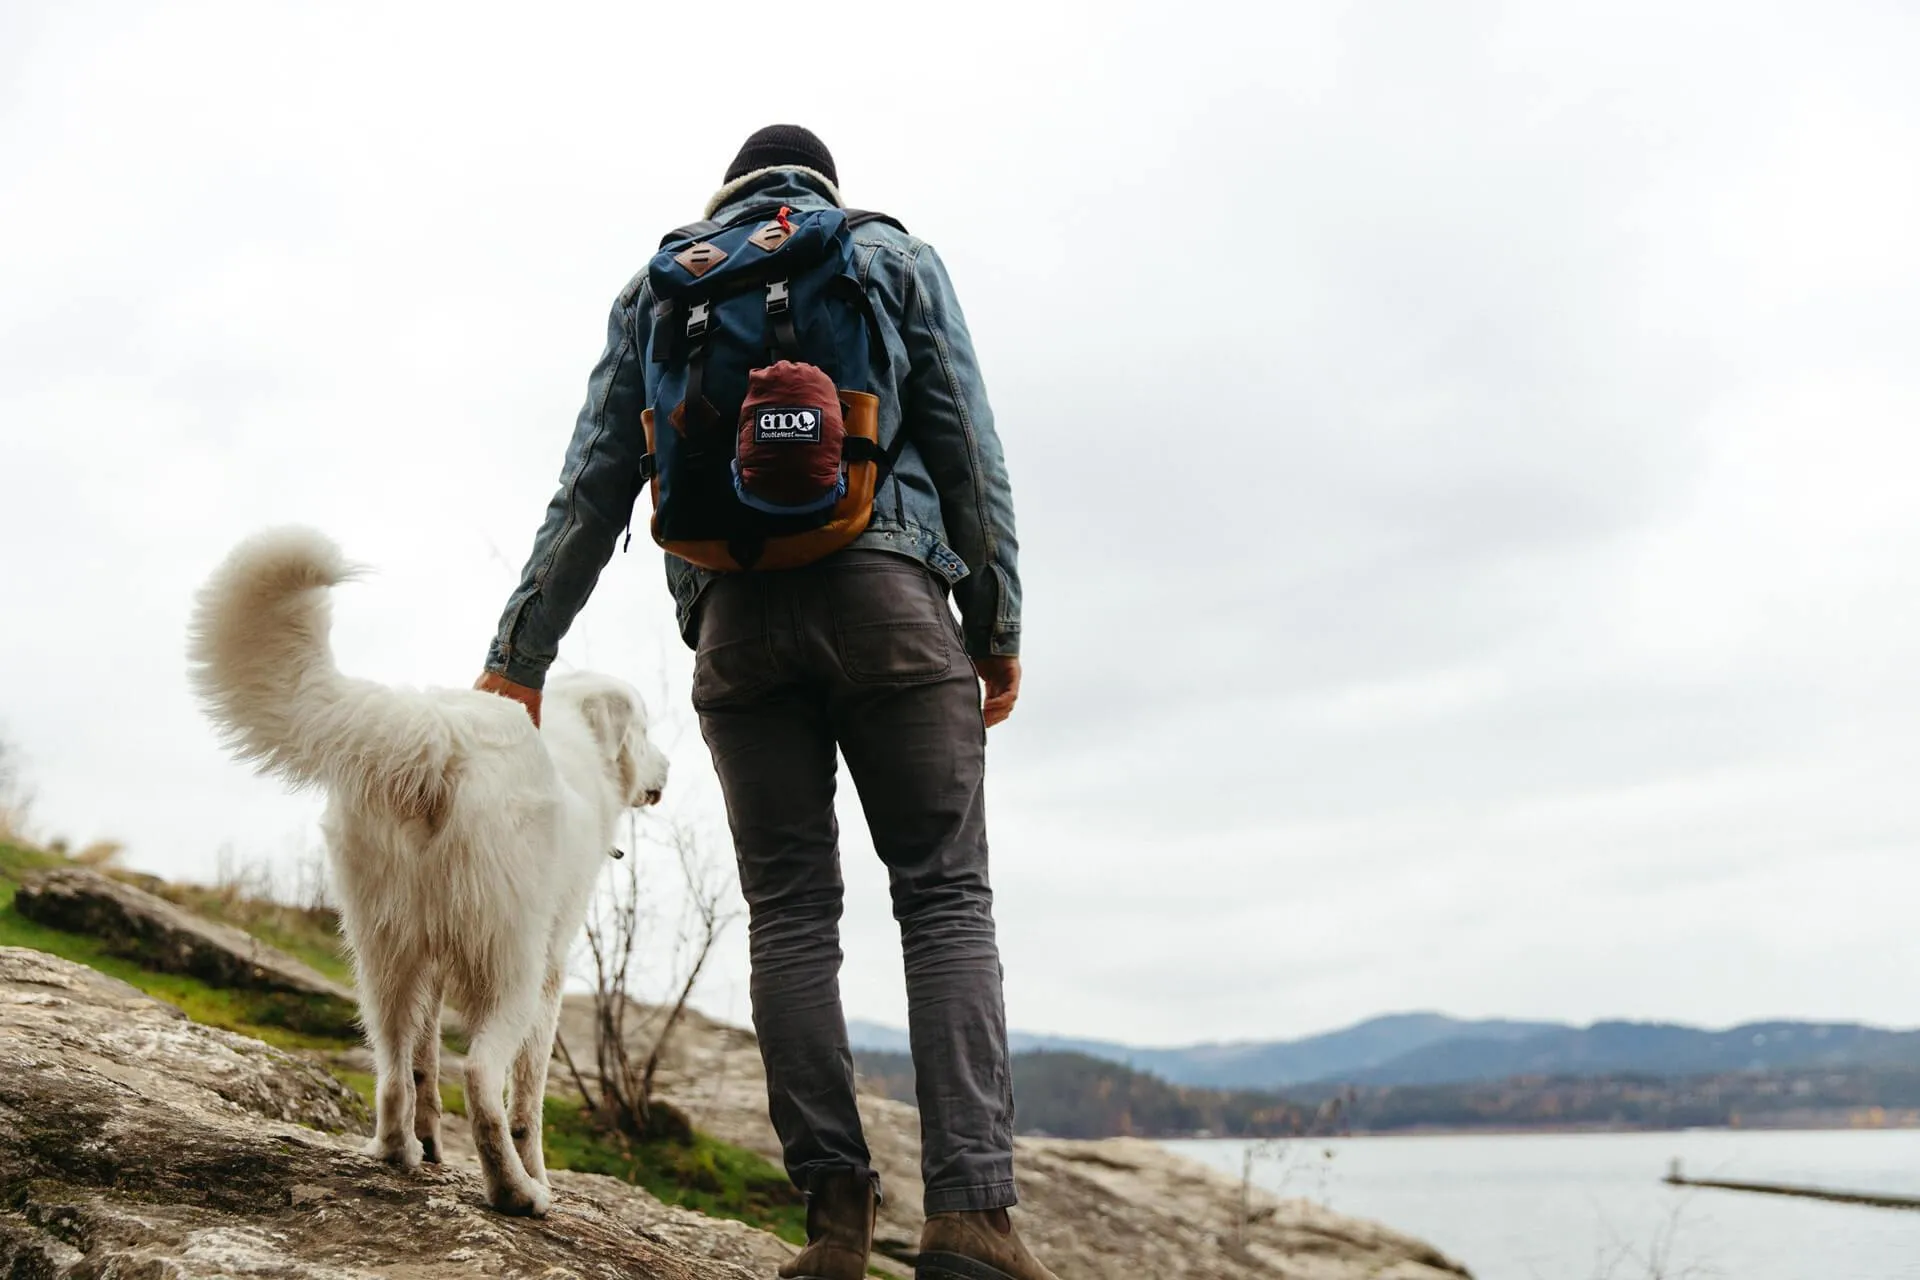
361,1082
283,1019
17,861
308,934
706,1175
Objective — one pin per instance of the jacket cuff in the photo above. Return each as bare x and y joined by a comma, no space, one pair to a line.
502,661
1002,643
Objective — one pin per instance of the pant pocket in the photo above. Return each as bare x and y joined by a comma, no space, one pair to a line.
890,624
734,661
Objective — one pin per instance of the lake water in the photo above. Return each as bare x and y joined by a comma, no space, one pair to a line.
1592,1206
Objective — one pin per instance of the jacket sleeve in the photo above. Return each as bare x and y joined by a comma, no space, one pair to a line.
944,407
598,487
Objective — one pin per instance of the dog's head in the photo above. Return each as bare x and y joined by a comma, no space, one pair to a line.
617,718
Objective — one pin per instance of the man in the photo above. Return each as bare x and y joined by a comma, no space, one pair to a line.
858,652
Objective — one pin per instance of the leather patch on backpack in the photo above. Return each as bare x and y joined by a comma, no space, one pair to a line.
700,258
769,237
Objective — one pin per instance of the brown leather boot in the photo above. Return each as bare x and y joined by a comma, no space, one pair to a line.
840,1213
975,1246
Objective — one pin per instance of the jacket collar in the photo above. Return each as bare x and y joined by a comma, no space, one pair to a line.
793,185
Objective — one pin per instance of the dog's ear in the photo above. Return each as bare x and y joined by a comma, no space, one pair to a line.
609,713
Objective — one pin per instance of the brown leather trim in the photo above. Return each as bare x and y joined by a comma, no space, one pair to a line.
851,515
790,552
769,237
861,410
701,258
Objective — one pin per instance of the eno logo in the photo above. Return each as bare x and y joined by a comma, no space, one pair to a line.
787,422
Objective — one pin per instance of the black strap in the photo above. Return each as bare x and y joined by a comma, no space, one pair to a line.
853,293
861,449
861,217
699,327
693,410
786,342
747,549
692,231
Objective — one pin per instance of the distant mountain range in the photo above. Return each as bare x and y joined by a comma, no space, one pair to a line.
1431,1048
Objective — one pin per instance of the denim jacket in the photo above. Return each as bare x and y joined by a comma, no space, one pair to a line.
946,504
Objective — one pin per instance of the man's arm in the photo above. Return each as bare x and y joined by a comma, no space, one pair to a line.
945,409
598,487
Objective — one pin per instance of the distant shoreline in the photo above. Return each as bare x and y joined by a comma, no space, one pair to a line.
1904,1125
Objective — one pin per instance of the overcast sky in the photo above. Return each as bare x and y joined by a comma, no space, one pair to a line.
1465,454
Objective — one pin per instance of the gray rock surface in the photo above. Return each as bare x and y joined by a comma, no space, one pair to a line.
137,1145
1115,1210
166,937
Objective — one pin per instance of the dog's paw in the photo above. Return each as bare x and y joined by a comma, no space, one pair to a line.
402,1154
532,1201
430,1149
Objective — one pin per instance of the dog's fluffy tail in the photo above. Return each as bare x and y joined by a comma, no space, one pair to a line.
263,668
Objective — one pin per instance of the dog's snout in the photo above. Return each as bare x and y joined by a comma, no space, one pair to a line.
652,797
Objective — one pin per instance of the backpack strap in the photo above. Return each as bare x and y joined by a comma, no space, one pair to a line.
861,217
699,334
786,342
861,449
692,231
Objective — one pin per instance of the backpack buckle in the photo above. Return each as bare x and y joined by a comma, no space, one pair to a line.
778,300
699,319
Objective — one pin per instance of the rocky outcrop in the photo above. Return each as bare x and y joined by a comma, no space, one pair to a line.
165,937
136,1144
1115,1210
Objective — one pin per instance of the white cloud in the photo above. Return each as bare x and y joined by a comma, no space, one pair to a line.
1463,455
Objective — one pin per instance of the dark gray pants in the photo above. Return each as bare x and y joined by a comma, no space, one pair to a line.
861,652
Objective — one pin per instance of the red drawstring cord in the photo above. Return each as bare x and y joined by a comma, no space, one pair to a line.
785,224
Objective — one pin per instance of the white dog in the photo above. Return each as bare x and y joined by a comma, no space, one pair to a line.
464,842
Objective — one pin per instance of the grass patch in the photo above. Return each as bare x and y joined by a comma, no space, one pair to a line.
283,1019
18,861
453,1099
310,935
706,1175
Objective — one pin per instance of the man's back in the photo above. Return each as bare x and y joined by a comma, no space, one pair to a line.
858,654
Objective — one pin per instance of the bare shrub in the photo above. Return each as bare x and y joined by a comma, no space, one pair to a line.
101,855
630,1037
16,797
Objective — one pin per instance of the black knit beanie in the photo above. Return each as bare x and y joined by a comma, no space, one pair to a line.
779,144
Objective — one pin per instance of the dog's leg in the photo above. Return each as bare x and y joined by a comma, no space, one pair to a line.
392,1005
426,1076
530,1078
496,1038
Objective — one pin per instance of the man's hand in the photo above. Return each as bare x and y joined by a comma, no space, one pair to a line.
1001,677
493,682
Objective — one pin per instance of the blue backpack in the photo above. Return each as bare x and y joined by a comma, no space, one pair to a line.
763,430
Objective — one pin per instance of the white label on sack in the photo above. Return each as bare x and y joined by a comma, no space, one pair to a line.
799,423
